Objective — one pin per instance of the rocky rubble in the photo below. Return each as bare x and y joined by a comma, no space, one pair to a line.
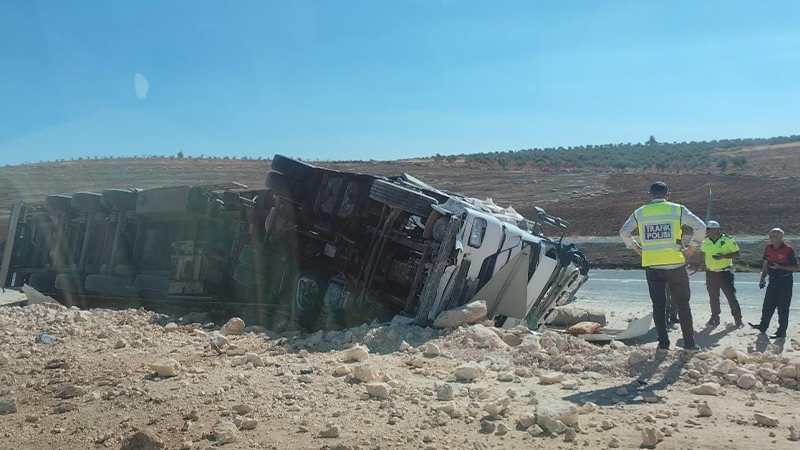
191,385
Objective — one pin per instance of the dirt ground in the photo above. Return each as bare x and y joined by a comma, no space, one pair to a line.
96,386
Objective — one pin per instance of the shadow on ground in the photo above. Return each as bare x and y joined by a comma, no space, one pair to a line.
651,378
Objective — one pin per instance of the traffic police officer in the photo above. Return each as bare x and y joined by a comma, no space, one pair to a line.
664,258
719,250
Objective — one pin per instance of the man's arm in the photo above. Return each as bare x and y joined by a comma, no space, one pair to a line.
791,265
625,233
764,270
732,251
698,230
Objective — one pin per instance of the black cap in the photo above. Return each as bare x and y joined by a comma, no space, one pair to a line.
659,189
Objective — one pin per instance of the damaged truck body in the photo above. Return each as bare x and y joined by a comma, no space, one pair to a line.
314,249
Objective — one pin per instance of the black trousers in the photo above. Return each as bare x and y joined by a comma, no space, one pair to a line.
678,282
716,281
778,296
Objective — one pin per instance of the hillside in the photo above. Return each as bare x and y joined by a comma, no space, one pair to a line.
596,201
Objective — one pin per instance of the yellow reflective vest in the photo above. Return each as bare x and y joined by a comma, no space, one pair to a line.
660,233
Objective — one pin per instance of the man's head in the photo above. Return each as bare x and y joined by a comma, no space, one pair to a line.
776,237
659,190
712,229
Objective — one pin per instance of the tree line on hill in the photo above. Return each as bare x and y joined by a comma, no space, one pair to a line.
650,155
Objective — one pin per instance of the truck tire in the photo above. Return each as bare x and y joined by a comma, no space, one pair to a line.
119,199
90,202
58,203
107,285
431,286
402,198
43,282
293,190
71,283
294,169
150,286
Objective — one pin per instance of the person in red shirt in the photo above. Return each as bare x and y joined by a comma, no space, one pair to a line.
780,263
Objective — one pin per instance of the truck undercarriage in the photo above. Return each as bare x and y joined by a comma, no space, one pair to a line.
315,249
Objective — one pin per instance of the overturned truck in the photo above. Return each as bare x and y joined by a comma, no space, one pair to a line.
315,249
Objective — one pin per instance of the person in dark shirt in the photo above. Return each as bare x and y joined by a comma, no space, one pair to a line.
780,263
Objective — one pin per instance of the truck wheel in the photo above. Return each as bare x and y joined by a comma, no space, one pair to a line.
43,282
293,169
87,202
119,199
58,203
293,190
431,287
69,282
107,285
402,198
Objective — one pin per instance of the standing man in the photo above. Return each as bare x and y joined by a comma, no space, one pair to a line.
780,262
719,250
664,258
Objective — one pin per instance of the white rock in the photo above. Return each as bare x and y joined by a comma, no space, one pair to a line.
552,378
530,343
570,385
242,409
431,349
233,327
704,410
3,359
613,442
768,374
651,437
617,345
570,435
166,368
505,377
794,435
341,371
358,353
120,344
444,392
363,373
788,371
724,366
254,359
512,339
637,357
170,327
404,346
330,432
706,389
469,371
473,312
225,432
587,408
378,390
527,420
484,337
535,430
303,353
747,381
247,423
765,420
218,339
551,425
558,410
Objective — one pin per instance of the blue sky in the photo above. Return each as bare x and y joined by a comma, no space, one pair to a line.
388,79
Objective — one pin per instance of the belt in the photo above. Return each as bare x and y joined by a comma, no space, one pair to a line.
727,269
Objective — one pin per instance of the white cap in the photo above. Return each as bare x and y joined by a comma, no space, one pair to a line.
712,224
